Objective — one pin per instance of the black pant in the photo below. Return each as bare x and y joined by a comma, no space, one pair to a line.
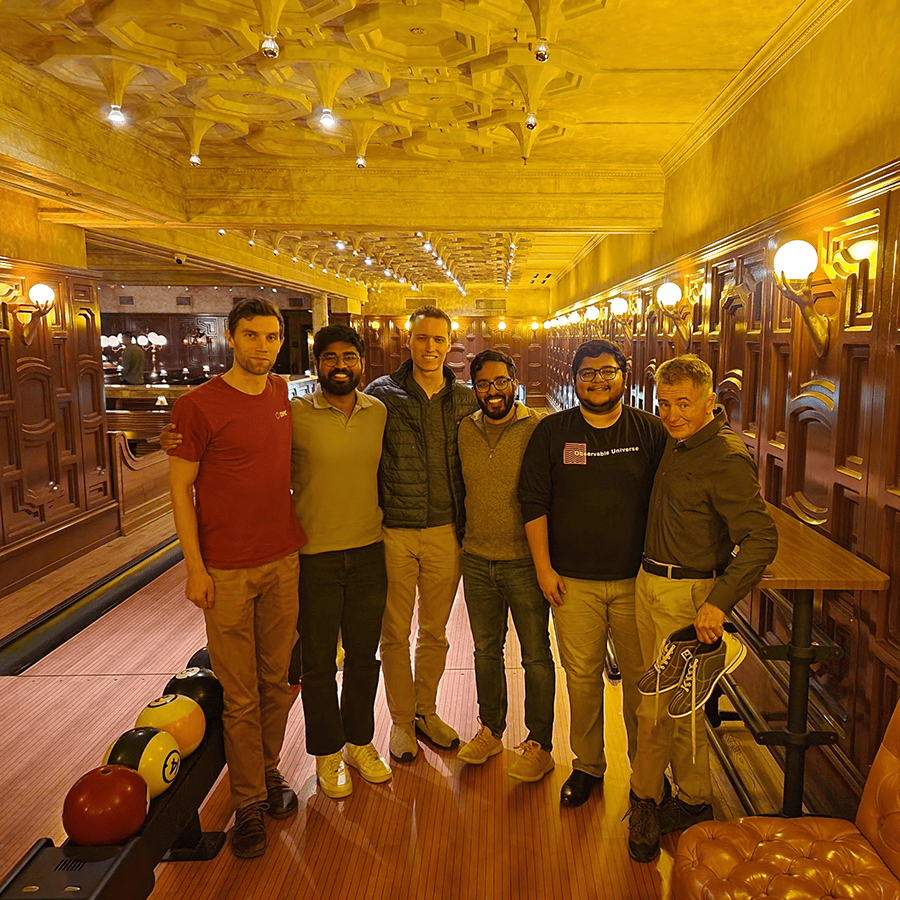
341,592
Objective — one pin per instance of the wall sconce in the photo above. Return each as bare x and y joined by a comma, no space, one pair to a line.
618,307
535,325
574,318
668,296
592,314
793,267
28,313
501,325
375,325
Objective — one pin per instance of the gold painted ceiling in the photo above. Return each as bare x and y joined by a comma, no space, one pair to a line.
501,137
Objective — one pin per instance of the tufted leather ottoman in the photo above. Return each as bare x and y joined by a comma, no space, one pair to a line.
785,859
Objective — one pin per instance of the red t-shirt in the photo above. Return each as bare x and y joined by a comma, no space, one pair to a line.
245,514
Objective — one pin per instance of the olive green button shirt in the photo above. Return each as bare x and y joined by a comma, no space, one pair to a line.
705,501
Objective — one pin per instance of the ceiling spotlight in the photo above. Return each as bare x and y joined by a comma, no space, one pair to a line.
274,251
195,160
221,232
116,116
368,260
402,280
293,259
251,242
311,266
388,272
274,290
541,53
512,246
531,121
340,245
360,161
269,47
327,120
440,262
427,246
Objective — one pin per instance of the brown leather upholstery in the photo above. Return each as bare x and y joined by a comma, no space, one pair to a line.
802,859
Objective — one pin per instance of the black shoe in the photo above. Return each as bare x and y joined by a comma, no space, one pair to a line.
248,837
675,814
577,788
643,829
281,800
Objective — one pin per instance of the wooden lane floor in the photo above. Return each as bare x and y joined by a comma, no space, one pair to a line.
438,830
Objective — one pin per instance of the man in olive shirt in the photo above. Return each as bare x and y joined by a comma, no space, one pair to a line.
705,501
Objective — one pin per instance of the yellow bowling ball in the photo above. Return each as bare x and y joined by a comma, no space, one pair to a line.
181,716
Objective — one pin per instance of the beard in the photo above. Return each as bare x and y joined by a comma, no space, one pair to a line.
599,402
497,413
339,388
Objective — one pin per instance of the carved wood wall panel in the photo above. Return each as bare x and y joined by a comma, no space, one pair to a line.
54,461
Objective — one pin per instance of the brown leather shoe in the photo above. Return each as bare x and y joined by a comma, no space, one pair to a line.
281,800
248,837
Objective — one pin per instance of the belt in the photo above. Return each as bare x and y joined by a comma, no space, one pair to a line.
666,571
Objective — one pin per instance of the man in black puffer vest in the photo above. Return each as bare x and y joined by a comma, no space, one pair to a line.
422,496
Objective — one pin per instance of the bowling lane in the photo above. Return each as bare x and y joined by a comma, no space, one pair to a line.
155,631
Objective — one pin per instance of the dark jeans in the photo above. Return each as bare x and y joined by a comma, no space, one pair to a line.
341,592
493,588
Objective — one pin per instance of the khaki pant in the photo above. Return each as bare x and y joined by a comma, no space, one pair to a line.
427,558
591,611
665,605
250,628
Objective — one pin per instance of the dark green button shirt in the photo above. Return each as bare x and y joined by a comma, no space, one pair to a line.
705,501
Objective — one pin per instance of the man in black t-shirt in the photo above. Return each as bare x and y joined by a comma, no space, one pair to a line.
584,488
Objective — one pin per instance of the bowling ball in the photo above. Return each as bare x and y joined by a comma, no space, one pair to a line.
152,753
181,716
200,660
200,685
106,806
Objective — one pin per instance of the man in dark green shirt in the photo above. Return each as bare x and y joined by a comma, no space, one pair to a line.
705,502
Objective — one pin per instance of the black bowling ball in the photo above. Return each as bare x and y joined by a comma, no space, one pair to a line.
200,660
199,684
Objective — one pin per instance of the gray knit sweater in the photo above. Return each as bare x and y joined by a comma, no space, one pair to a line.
494,527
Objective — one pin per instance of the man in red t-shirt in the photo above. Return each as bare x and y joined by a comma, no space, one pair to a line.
230,482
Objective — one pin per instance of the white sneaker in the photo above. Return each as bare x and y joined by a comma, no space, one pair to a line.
437,731
368,762
481,748
334,779
403,744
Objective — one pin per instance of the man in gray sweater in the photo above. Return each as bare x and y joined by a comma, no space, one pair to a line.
498,574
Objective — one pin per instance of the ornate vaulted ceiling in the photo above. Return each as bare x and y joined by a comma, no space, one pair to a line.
471,125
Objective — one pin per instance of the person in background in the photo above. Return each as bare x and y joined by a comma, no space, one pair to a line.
133,357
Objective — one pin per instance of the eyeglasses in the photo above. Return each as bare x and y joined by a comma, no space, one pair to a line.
501,383
331,359
607,373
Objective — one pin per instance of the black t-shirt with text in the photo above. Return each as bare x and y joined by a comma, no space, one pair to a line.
593,484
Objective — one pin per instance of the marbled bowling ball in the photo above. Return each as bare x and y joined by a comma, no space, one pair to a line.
201,685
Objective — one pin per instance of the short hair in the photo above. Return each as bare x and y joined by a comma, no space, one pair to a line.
128,335
688,367
333,334
249,307
490,356
593,349
430,312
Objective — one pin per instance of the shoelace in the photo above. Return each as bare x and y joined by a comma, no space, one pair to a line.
530,749
662,660
275,779
334,763
689,683
368,754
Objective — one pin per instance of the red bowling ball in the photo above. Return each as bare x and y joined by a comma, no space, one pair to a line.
108,805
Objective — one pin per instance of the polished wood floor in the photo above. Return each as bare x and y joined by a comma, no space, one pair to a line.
438,831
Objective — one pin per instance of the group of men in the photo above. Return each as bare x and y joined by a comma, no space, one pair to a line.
400,489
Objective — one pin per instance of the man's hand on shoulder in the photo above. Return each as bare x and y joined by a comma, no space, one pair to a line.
709,623
169,438
200,589
552,586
